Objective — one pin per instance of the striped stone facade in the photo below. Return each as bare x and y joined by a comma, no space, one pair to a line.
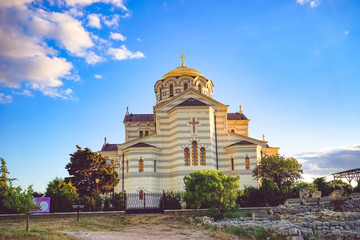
187,131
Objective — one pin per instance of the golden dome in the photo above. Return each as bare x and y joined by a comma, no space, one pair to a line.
181,71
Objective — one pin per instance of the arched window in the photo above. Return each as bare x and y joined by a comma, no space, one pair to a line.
141,134
171,90
232,130
141,195
247,163
160,94
155,165
199,88
232,164
141,165
187,156
185,86
194,153
202,157
146,132
127,166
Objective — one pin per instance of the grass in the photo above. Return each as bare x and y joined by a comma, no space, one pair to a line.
33,234
53,228
235,213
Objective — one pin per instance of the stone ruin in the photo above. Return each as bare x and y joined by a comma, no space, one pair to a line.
309,217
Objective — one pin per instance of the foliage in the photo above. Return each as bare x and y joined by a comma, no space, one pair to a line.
311,187
20,201
172,200
4,185
85,167
211,188
278,169
341,185
323,186
115,203
266,195
63,195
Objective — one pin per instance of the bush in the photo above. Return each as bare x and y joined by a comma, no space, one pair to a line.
211,188
172,200
267,195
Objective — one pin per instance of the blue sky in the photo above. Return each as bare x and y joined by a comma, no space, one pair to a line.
69,68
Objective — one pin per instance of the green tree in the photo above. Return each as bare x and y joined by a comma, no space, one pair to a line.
211,188
279,169
323,186
85,167
63,195
4,184
20,201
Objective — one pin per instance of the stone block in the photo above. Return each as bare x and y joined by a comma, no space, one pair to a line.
336,194
260,214
292,202
311,201
355,196
304,193
324,200
316,194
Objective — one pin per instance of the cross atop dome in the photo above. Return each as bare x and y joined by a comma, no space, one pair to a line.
182,59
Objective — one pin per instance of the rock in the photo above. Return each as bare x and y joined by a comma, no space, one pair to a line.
336,194
324,200
304,193
292,202
294,232
316,194
260,215
311,201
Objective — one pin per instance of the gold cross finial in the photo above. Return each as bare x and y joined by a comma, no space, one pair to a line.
182,59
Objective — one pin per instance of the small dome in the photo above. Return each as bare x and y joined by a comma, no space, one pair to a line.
181,71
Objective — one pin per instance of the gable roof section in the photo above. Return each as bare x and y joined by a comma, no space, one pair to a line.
242,143
139,118
236,116
109,147
141,144
191,102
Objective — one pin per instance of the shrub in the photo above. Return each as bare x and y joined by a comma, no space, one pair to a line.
172,200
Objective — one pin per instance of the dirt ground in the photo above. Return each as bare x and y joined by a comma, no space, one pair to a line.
154,227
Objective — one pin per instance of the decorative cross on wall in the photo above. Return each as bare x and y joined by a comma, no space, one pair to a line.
193,123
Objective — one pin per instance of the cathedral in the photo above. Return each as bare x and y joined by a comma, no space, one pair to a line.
187,131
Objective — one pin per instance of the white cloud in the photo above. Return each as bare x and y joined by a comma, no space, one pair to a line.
117,3
93,58
312,3
67,30
123,53
59,93
5,98
111,21
97,76
25,92
138,39
94,21
346,32
117,36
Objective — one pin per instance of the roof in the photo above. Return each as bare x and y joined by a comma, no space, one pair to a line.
191,102
242,143
141,144
181,71
236,116
109,147
139,118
